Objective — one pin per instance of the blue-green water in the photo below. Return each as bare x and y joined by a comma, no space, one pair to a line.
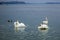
32,15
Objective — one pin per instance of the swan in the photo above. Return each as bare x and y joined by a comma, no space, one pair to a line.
17,24
44,25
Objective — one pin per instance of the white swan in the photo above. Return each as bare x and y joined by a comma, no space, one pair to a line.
17,24
44,25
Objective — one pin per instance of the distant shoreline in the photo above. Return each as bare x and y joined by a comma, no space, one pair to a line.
52,3
19,2
12,2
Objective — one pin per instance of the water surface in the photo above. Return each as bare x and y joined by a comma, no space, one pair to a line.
32,15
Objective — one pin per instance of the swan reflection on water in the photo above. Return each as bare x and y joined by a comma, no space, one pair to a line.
43,31
43,34
19,29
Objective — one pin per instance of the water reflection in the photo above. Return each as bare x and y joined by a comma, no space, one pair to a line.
44,31
43,34
19,29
